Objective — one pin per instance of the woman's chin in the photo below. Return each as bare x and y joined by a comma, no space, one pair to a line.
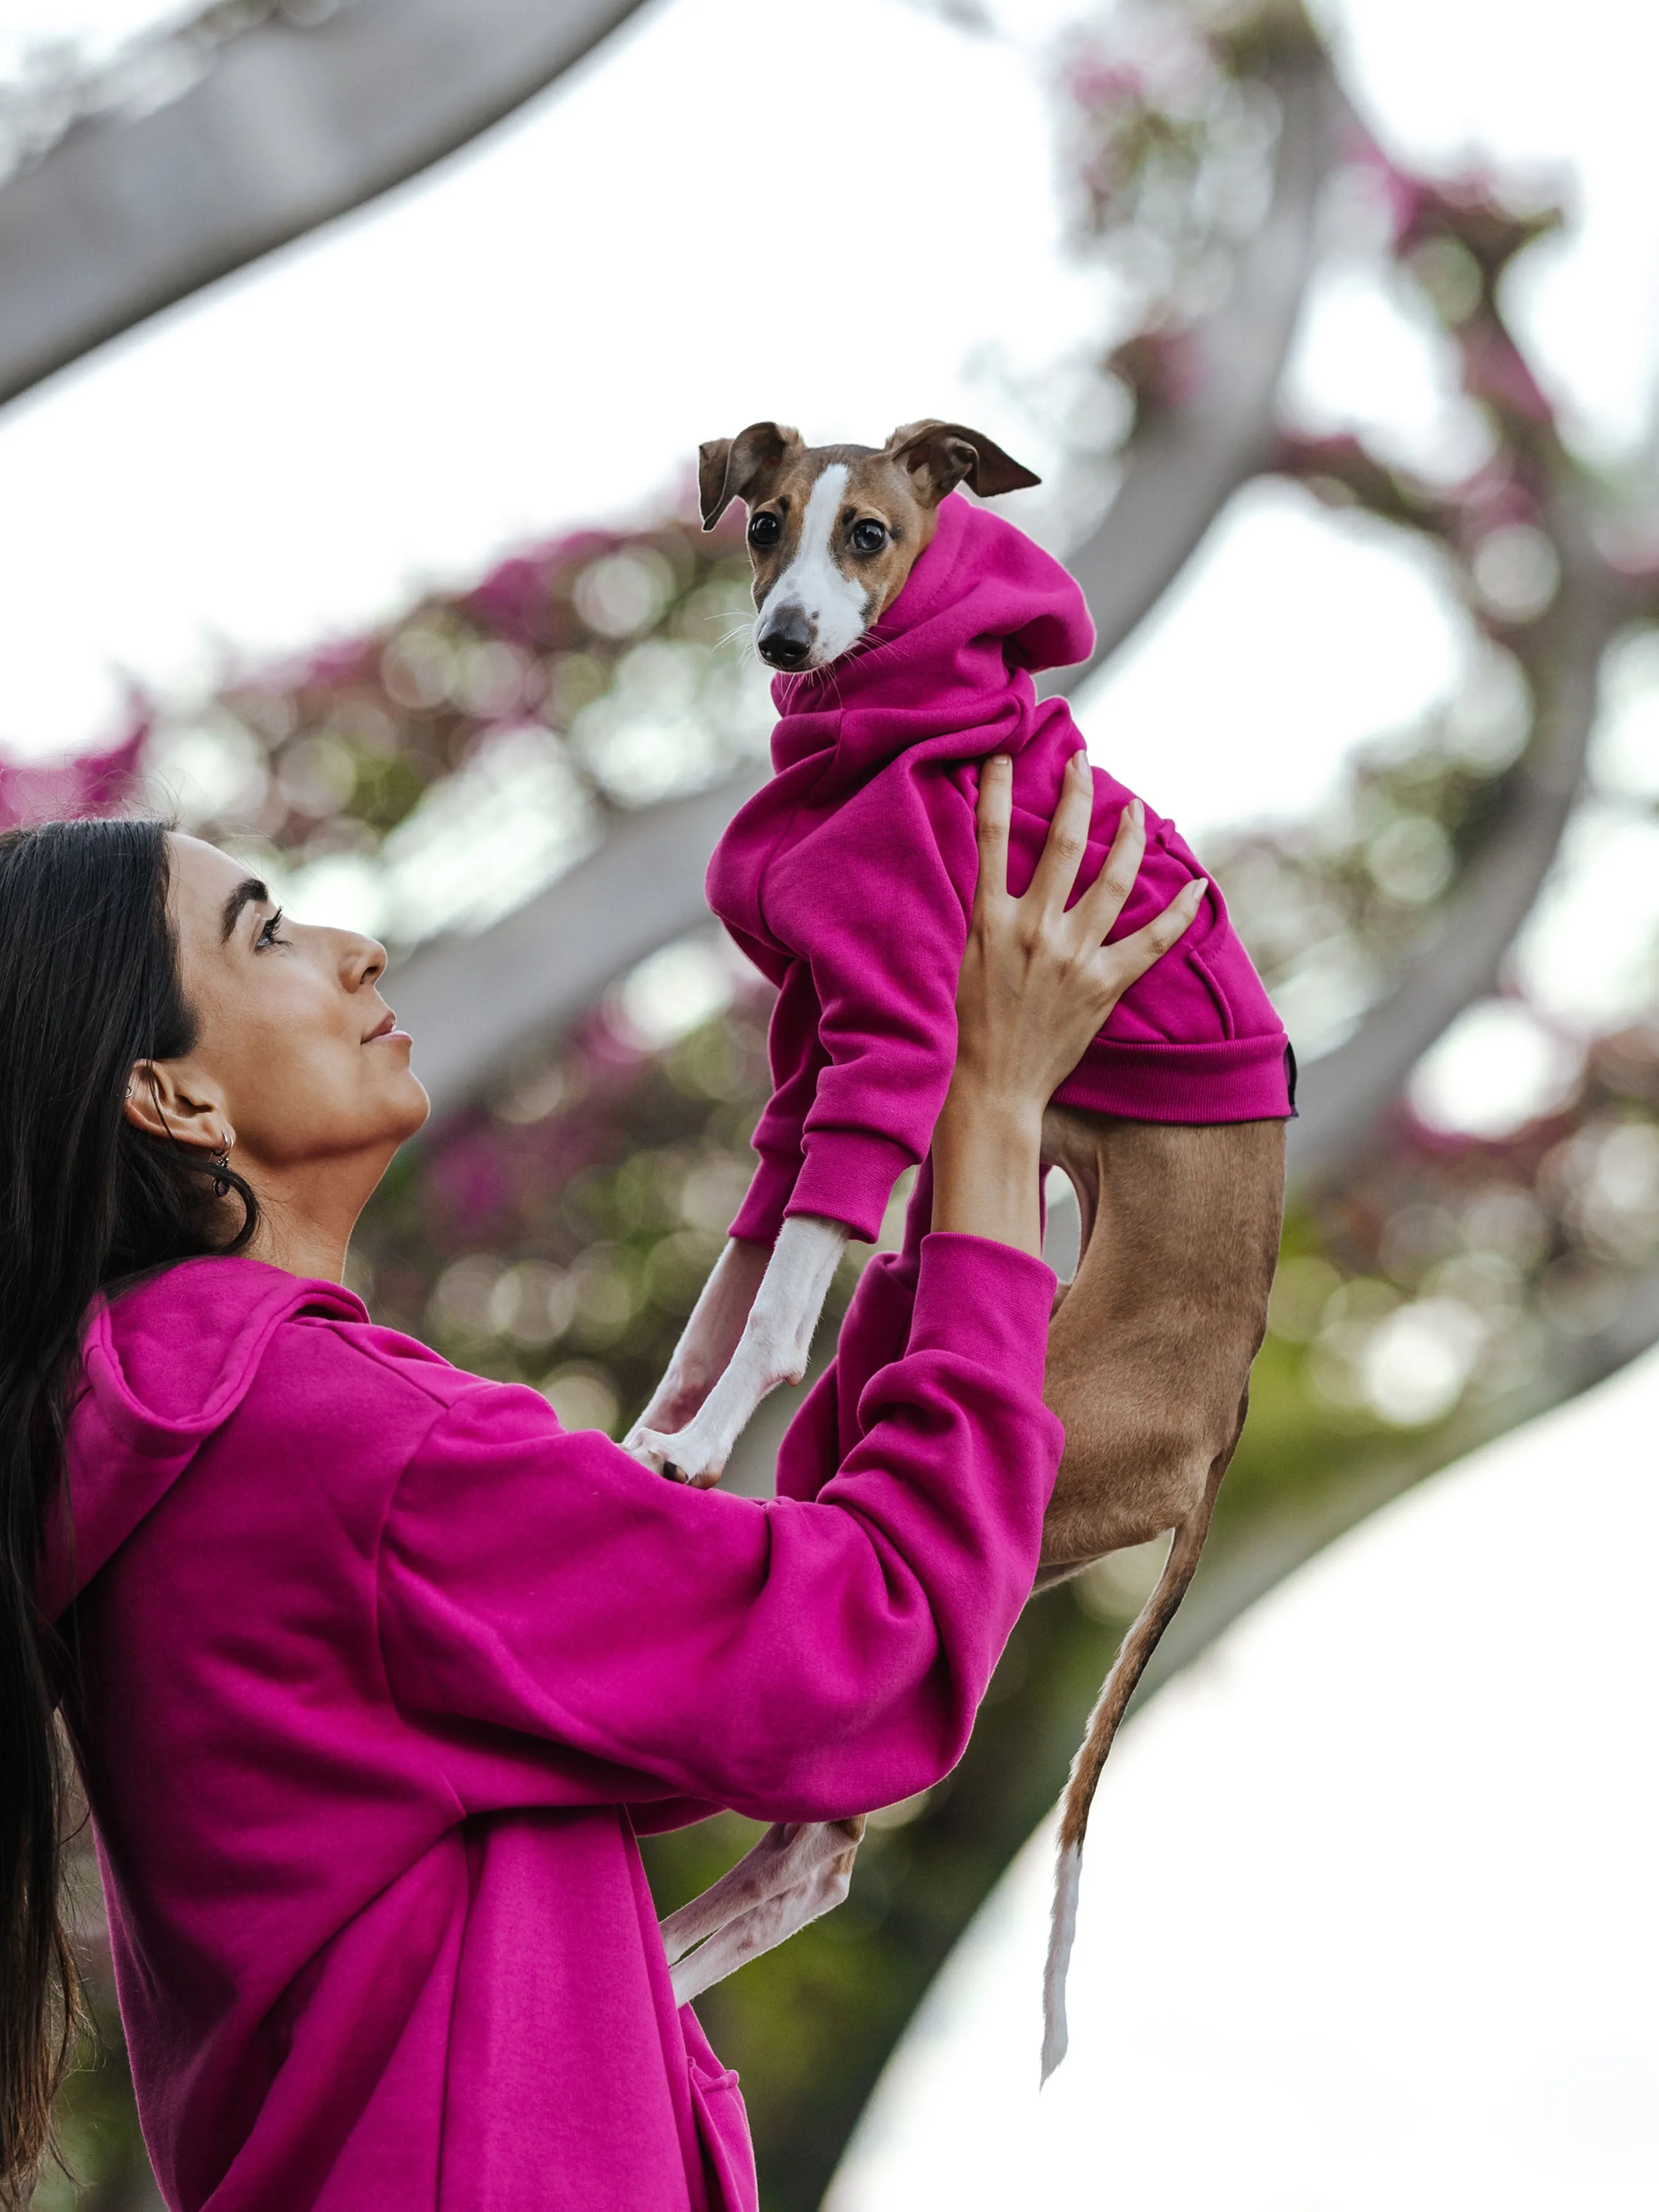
416,1107
400,1107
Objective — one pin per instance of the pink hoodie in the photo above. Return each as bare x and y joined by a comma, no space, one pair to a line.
849,879
382,1673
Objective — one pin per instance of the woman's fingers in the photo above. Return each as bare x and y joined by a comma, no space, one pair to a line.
1107,896
1132,955
1068,839
992,817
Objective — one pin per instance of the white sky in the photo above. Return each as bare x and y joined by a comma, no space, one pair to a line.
540,333
1368,1916
542,329
94,28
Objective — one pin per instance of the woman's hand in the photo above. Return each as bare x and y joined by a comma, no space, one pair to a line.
1036,984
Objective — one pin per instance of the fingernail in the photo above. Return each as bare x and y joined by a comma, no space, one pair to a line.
1199,886
1078,764
1137,813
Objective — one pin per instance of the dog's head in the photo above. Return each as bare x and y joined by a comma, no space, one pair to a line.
834,530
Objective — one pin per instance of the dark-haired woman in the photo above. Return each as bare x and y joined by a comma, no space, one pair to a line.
374,1674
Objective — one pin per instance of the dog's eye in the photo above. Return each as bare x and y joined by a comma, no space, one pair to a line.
764,530
868,537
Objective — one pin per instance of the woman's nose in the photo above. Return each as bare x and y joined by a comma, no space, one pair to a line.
363,962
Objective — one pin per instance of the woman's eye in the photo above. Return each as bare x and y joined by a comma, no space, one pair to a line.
764,530
268,934
868,537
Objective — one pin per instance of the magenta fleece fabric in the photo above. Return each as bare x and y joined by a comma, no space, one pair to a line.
381,1672
850,880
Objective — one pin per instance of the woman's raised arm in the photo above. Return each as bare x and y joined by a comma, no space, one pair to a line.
1038,981
619,1636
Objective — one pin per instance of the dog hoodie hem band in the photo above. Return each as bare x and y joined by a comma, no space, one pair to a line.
760,1215
847,1176
1242,1079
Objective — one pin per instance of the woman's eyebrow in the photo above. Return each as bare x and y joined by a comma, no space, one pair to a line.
251,891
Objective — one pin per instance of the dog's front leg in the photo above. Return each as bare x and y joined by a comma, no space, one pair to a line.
774,1347
706,1343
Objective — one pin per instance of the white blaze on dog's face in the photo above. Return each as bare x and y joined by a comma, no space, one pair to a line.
834,530
817,608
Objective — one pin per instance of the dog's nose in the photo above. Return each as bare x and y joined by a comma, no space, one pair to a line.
785,642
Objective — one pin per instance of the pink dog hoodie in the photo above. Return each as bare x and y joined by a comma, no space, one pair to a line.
849,881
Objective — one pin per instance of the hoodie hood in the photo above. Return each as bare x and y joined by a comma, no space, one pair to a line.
164,1366
982,608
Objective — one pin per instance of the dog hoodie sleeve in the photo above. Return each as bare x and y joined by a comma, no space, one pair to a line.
798,1059
873,899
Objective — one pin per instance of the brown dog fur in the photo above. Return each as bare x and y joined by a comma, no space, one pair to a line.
1149,1364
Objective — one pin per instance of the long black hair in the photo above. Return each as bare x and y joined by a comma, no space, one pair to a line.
89,985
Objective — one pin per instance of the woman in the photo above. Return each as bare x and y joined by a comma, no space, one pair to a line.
373,1672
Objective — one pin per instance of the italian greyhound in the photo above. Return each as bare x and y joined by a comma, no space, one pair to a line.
1151,1342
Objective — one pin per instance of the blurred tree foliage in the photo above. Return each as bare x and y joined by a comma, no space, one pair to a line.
556,1232
435,773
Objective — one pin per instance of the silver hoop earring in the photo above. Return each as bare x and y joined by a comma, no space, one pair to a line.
222,1164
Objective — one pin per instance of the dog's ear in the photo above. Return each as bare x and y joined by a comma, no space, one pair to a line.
729,468
941,455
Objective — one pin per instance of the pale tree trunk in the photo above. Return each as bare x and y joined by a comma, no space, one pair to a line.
475,1003
1187,461
286,125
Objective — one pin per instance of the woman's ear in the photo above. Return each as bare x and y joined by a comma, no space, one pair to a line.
163,1100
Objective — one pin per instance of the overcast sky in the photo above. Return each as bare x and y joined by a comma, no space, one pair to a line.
540,332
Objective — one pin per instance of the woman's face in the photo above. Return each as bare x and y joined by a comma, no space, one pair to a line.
292,1035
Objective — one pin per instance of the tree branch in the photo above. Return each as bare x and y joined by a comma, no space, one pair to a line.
289,127
1536,482
472,1002
1345,1093
1194,453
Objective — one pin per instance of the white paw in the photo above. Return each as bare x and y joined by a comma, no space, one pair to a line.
641,1444
692,1456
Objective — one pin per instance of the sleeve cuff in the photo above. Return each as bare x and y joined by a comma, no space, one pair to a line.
847,1176
760,1215
984,1301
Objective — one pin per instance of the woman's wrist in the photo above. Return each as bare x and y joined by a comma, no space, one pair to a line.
987,1165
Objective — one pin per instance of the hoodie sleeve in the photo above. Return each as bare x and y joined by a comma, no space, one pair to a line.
877,897
791,1661
796,1060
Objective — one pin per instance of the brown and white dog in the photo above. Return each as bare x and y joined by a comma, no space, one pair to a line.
1151,1345
833,532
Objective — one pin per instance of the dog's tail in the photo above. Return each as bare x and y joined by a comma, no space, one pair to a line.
1136,1649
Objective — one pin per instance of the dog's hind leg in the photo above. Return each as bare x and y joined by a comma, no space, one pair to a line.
1149,1360
795,1872
1136,1649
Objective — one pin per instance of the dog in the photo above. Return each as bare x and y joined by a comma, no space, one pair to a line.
904,625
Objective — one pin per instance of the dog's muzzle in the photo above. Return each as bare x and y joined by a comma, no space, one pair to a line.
786,639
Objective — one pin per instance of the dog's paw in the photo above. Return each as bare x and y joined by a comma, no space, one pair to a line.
687,1456
642,1443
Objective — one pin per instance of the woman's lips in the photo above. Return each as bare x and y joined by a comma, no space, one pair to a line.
387,1028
